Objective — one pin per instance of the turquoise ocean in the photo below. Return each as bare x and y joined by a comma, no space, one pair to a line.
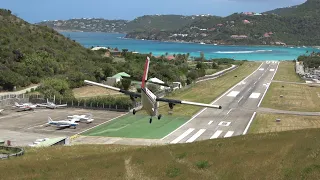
251,53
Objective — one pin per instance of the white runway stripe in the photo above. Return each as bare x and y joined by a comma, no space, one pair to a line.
233,93
255,95
210,122
261,69
216,134
196,135
271,70
229,134
182,136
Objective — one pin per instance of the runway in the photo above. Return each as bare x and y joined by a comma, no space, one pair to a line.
239,105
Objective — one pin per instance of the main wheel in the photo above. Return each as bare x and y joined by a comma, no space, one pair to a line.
134,111
150,120
159,117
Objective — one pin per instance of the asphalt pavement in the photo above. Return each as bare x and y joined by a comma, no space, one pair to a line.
239,105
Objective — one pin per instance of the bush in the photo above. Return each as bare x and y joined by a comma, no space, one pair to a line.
202,164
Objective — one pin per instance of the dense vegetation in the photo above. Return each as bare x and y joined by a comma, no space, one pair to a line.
311,61
299,26
37,54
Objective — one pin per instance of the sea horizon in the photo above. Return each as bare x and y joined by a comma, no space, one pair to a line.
211,51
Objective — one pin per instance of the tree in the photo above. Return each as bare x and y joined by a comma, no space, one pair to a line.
126,83
202,56
214,65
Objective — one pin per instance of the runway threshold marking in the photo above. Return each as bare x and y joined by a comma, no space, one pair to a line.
255,95
233,93
229,134
216,134
196,135
183,135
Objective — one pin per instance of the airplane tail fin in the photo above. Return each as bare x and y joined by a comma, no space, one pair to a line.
145,73
47,100
49,119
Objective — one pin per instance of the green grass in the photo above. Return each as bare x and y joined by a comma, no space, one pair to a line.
282,155
266,122
137,126
3,151
296,97
286,72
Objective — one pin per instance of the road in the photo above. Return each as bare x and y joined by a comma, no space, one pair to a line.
239,105
276,111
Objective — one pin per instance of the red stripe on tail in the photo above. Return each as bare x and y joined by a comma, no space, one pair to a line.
145,73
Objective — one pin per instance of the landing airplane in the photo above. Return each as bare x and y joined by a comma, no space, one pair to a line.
51,105
25,106
62,123
82,118
150,101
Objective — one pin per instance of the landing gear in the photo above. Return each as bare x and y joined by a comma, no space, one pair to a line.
134,111
150,121
159,117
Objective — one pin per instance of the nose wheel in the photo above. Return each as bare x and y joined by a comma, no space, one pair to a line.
134,111
159,117
150,121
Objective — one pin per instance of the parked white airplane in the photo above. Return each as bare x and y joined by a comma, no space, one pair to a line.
25,106
51,105
148,99
62,123
82,118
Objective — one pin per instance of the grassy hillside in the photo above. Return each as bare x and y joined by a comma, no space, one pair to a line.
286,155
29,53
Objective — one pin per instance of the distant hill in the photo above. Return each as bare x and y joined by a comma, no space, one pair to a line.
87,25
282,11
143,23
159,22
298,25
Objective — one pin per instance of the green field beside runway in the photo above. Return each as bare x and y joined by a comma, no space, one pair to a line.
138,126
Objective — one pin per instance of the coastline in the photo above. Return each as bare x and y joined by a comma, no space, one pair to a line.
187,42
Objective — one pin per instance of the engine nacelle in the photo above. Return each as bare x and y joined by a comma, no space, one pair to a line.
171,105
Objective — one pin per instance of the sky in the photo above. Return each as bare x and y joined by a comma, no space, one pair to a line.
38,10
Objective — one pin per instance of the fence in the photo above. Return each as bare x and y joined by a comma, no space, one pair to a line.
18,152
8,100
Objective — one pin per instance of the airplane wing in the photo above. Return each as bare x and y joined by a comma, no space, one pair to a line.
42,105
61,105
113,88
173,101
63,125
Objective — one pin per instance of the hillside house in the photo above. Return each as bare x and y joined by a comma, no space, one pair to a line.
246,21
113,53
239,36
111,81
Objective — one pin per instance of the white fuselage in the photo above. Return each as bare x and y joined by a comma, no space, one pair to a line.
149,103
